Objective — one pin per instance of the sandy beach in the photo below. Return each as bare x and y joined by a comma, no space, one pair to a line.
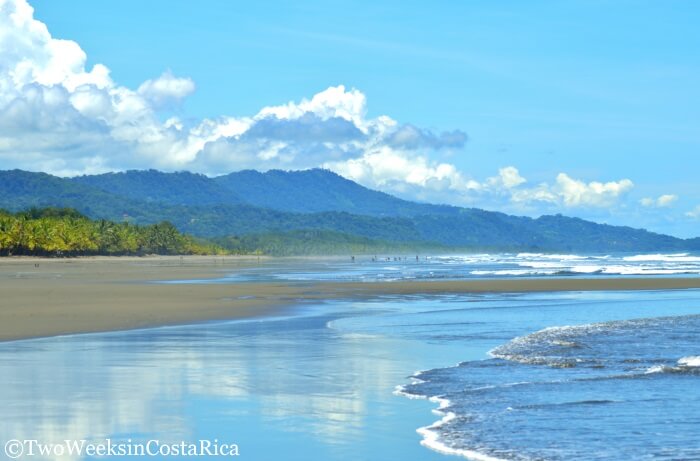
48,297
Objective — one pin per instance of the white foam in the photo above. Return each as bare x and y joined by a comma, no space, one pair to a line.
514,272
587,269
641,270
677,257
401,391
431,435
540,264
559,257
690,361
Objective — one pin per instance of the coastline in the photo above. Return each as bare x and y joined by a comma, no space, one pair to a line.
50,297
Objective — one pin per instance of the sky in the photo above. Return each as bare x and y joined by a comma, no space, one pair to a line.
587,108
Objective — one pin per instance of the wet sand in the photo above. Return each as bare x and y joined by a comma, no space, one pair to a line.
48,297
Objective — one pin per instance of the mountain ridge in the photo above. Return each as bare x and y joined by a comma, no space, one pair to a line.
251,202
316,190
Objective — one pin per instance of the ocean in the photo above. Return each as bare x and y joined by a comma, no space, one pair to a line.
383,268
536,376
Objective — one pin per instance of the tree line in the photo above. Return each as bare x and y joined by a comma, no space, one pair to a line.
66,232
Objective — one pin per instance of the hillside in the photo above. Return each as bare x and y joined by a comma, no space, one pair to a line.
181,188
21,189
316,190
290,205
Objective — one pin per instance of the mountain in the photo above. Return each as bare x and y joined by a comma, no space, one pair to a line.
23,189
110,197
181,188
279,207
316,190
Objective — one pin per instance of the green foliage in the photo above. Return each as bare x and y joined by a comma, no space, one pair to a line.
65,232
318,242
181,188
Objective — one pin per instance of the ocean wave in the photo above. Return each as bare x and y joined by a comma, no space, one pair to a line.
590,270
670,369
571,346
688,364
650,270
513,272
560,257
690,361
432,435
504,407
452,267
674,257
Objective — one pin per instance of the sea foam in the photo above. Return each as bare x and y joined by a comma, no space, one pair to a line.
690,361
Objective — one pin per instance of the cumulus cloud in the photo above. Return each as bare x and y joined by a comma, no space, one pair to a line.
576,193
662,201
570,192
508,178
166,90
386,168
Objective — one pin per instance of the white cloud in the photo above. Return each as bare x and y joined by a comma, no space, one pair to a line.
570,192
694,213
574,192
542,193
390,169
660,202
508,178
167,90
335,102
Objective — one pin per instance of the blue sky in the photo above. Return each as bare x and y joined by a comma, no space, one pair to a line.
587,108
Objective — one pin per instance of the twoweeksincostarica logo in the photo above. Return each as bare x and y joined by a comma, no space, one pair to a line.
15,449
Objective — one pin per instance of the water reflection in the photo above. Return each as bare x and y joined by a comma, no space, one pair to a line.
292,380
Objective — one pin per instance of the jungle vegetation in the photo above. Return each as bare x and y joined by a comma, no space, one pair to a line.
66,232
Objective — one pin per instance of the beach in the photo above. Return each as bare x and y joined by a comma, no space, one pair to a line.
49,297
313,358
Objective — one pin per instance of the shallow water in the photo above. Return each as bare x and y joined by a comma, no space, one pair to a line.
285,388
319,384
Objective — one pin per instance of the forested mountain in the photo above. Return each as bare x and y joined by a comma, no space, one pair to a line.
290,205
181,188
317,190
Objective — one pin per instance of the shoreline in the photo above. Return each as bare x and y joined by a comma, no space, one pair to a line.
52,297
